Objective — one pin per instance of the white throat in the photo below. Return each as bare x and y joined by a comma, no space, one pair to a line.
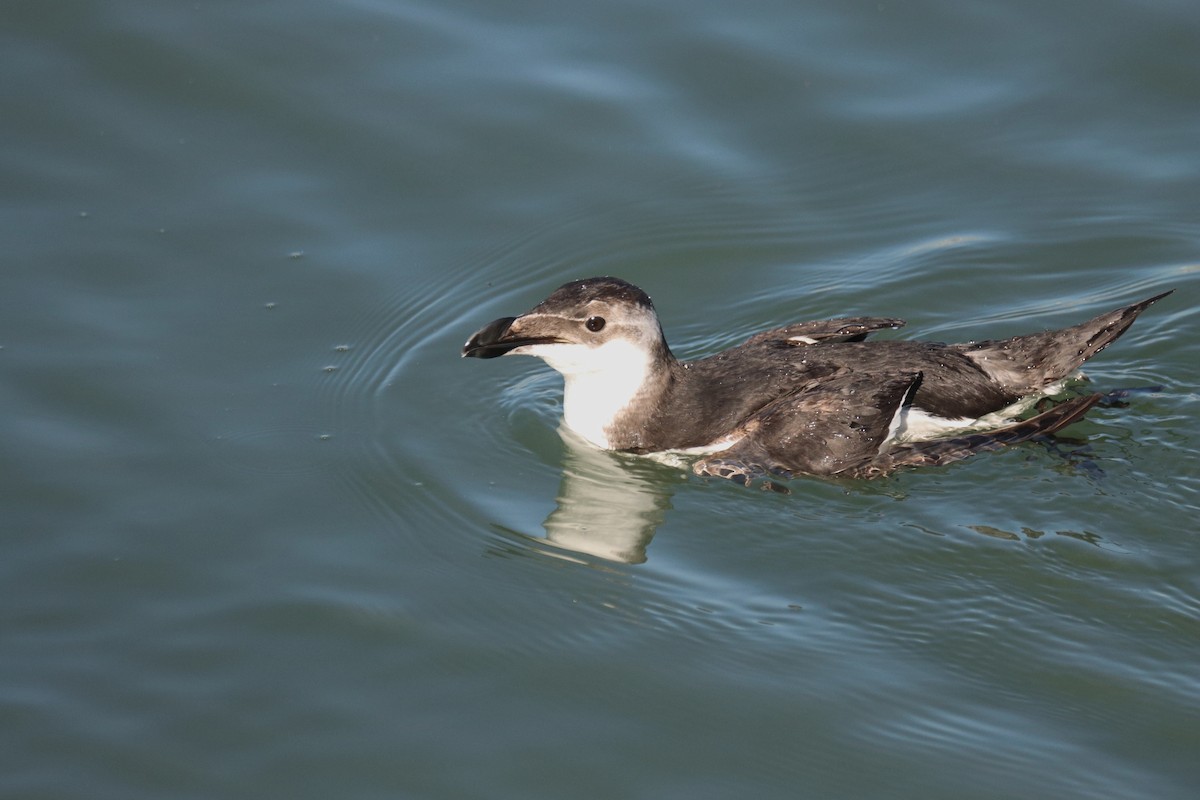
598,383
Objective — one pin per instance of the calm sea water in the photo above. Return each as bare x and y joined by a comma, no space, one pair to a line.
266,535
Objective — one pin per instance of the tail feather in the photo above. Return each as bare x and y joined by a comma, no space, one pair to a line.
1026,364
943,451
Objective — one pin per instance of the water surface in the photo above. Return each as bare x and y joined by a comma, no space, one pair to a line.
265,534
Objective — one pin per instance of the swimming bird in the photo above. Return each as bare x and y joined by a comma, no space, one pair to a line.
810,398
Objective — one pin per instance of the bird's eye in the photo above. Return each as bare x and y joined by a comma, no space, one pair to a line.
595,324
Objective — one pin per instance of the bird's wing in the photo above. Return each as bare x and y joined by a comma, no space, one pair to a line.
943,451
844,329
837,426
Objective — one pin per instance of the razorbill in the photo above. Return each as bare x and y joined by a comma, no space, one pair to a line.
809,398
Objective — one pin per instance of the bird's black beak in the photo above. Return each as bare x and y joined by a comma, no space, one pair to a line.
487,341
499,337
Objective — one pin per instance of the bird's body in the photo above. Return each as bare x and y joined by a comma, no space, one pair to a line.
812,397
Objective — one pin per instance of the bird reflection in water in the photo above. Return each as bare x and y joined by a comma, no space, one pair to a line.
609,504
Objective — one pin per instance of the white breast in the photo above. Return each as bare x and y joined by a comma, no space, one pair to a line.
599,382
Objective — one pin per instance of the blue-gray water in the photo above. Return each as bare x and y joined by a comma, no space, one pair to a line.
264,534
